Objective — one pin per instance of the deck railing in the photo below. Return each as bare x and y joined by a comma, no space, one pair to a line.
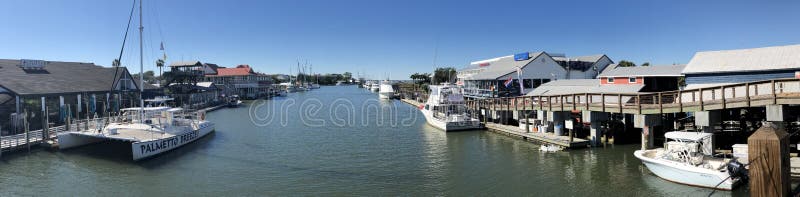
761,93
8,142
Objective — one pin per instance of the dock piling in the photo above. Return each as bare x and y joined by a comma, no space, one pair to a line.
769,170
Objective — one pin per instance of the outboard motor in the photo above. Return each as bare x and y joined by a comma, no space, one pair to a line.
737,170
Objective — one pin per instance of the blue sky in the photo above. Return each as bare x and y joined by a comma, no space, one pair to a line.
393,38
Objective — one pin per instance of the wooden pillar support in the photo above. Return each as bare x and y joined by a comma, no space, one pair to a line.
768,150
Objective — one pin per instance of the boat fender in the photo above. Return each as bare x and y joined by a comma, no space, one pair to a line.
737,170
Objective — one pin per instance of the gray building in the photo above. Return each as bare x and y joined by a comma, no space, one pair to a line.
715,68
485,78
85,88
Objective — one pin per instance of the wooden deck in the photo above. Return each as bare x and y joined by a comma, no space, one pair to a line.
754,94
543,138
20,141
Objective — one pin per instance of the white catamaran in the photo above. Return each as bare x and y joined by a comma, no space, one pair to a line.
150,130
446,109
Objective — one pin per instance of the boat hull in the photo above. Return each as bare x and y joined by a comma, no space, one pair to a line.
385,95
142,150
452,126
688,175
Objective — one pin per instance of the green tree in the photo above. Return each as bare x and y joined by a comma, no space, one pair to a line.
625,63
442,75
347,76
646,64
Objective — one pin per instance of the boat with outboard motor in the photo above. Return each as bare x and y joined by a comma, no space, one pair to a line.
446,109
686,159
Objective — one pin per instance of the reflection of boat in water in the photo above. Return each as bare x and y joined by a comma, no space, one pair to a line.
550,148
446,109
686,159
386,91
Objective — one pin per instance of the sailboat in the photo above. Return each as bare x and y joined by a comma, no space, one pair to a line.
149,130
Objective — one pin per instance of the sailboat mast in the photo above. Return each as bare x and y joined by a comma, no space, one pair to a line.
141,63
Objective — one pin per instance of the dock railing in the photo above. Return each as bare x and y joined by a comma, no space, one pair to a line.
761,93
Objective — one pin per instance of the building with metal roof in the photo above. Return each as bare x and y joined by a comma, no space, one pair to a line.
486,78
34,85
714,68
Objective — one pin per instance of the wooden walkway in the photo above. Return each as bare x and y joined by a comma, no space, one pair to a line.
754,94
542,138
14,142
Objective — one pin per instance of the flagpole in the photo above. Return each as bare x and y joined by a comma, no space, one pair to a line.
519,78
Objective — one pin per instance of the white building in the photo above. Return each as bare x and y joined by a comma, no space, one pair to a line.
486,78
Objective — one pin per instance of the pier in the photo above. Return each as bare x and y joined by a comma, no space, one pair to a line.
538,137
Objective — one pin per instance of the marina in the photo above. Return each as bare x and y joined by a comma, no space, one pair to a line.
480,108
424,160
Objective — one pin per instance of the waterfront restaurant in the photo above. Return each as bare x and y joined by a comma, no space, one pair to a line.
242,78
716,68
486,78
39,86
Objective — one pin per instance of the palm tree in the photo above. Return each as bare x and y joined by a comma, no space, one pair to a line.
160,65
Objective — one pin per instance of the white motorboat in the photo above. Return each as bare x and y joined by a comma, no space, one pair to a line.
374,87
687,159
288,87
446,109
386,90
234,101
150,130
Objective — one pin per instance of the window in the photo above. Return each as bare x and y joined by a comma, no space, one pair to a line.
631,79
610,80
528,83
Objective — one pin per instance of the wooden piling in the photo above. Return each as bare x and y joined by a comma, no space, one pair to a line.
25,126
768,148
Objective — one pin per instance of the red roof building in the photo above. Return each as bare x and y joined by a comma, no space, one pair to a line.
240,70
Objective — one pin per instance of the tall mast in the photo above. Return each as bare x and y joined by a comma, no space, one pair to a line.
141,64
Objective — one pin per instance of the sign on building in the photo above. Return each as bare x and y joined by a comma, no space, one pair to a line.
32,64
521,56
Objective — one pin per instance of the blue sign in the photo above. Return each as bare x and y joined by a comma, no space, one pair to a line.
521,56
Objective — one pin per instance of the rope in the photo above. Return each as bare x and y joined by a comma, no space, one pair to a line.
124,39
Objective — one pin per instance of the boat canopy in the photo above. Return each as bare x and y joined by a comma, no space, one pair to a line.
687,136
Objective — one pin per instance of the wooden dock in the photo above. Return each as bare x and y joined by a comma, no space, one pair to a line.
411,102
752,94
542,138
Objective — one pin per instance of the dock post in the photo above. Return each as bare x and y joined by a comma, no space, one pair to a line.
595,119
769,169
25,126
647,123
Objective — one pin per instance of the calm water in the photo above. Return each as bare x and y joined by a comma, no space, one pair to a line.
293,146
